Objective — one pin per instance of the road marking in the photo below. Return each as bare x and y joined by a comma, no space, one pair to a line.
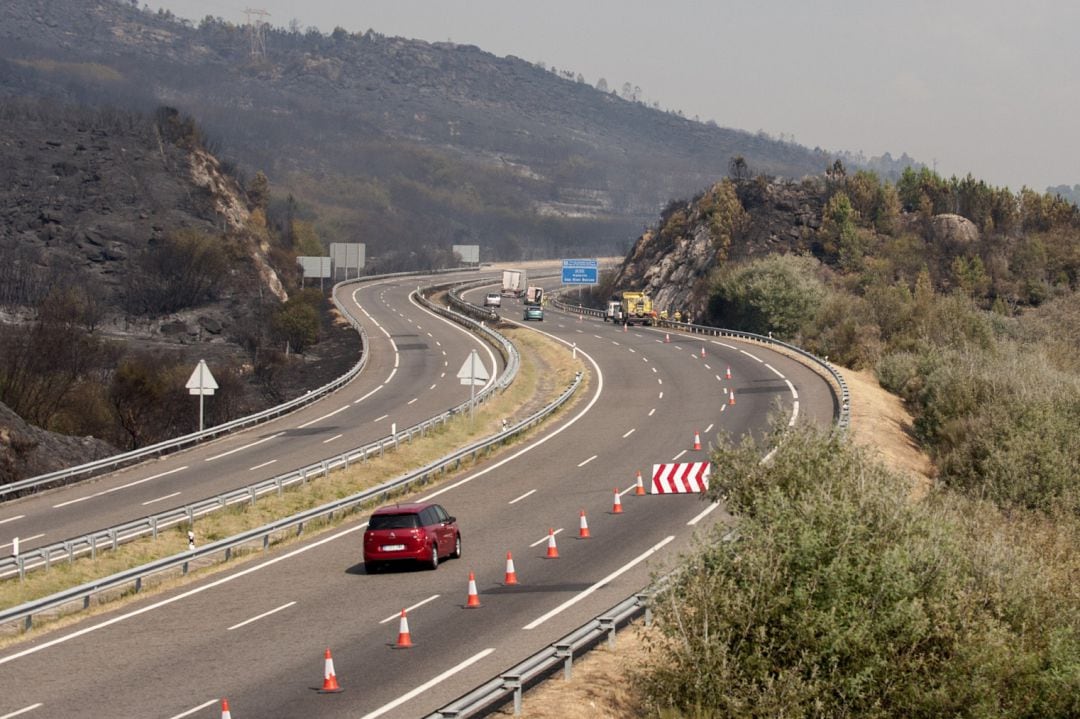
632,350
122,486
428,334
651,411
587,461
260,466
160,499
358,401
397,615
24,539
644,358
12,519
518,499
708,429
541,541
615,343
246,446
628,490
654,369
659,381
598,337
428,684
676,457
438,343
629,433
325,416
701,516
724,344
380,419
21,711
723,407
580,332
606,580
412,400
257,618
661,396
191,711
328,441
718,378
758,359
707,366
794,413
794,394
775,371
433,386
442,375
391,376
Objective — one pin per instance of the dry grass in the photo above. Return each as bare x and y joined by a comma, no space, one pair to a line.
546,370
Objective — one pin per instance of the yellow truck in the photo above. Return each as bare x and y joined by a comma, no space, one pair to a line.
637,308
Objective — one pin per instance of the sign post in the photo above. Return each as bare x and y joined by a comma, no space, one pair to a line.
201,383
472,373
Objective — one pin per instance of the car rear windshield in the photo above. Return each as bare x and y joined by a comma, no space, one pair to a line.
394,521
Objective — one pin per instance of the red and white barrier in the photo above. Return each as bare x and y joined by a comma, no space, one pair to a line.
680,478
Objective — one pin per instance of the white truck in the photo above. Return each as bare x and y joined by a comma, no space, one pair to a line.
513,283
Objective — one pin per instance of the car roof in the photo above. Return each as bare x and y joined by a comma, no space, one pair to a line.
404,508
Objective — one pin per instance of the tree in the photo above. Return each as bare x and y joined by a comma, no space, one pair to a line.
602,85
737,168
259,190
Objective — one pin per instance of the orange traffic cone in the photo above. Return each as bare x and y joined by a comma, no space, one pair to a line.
329,684
474,598
404,639
624,327
583,532
731,397
639,488
667,338
511,575
702,351
616,508
580,318
225,713
553,551
727,375
697,440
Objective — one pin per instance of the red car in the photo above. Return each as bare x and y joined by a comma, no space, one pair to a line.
415,532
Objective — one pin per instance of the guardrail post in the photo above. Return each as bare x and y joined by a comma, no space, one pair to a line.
607,624
138,584
513,681
565,652
643,599
70,549
93,546
266,542
280,485
184,568
153,526
190,515
22,567
251,491
112,538
28,624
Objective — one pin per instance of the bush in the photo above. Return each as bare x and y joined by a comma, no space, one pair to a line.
842,598
778,294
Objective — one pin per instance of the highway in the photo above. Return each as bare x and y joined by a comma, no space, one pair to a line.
256,632
410,376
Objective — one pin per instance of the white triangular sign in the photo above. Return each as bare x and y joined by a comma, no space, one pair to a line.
201,381
473,372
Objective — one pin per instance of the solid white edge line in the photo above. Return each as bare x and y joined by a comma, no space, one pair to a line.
775,371
541,541
12,519
27,539
756,359
183,595
701,516
794,413
325,416
492,375
261,616
358,401
428,684
518,499
419,604
191,711
632,429
587,461
122,486
606,580
246,446
724,344
794,393
390,376
21,711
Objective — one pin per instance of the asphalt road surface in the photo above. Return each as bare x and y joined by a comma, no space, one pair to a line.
256,632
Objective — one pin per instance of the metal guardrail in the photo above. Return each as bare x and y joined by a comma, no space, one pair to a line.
150,525
843,415
90,469
261,536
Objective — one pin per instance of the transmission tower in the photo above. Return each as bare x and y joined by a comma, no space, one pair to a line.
256,25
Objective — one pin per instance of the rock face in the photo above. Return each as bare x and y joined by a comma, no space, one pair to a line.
27,451
953,232
672,262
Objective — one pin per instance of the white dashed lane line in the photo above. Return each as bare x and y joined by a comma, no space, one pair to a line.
661,396
652,411
331,439
12,519
654,370
629,433
708,429
541,541
587,461
412,400
260,616
433,386
246,446
260,466
358,401
397,615
518,499
676,457
325,416
380,419
25,539
115,489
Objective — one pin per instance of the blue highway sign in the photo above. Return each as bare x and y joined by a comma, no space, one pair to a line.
580,272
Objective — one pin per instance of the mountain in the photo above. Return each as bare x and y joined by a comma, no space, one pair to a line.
403,144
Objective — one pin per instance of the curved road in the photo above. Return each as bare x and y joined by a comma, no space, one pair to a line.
256,632
409,377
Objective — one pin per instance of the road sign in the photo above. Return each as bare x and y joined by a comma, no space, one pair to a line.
201,383
473,372
580,272
680,478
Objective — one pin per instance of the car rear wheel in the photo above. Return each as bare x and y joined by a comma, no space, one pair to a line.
433,563
456,554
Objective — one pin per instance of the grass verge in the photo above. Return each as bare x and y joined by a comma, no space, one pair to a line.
546,370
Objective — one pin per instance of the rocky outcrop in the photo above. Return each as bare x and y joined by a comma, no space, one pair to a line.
26,450
953,233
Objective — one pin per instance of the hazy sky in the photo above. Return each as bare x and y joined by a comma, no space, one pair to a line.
980,86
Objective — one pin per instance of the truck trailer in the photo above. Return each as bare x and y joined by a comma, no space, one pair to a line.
513,283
